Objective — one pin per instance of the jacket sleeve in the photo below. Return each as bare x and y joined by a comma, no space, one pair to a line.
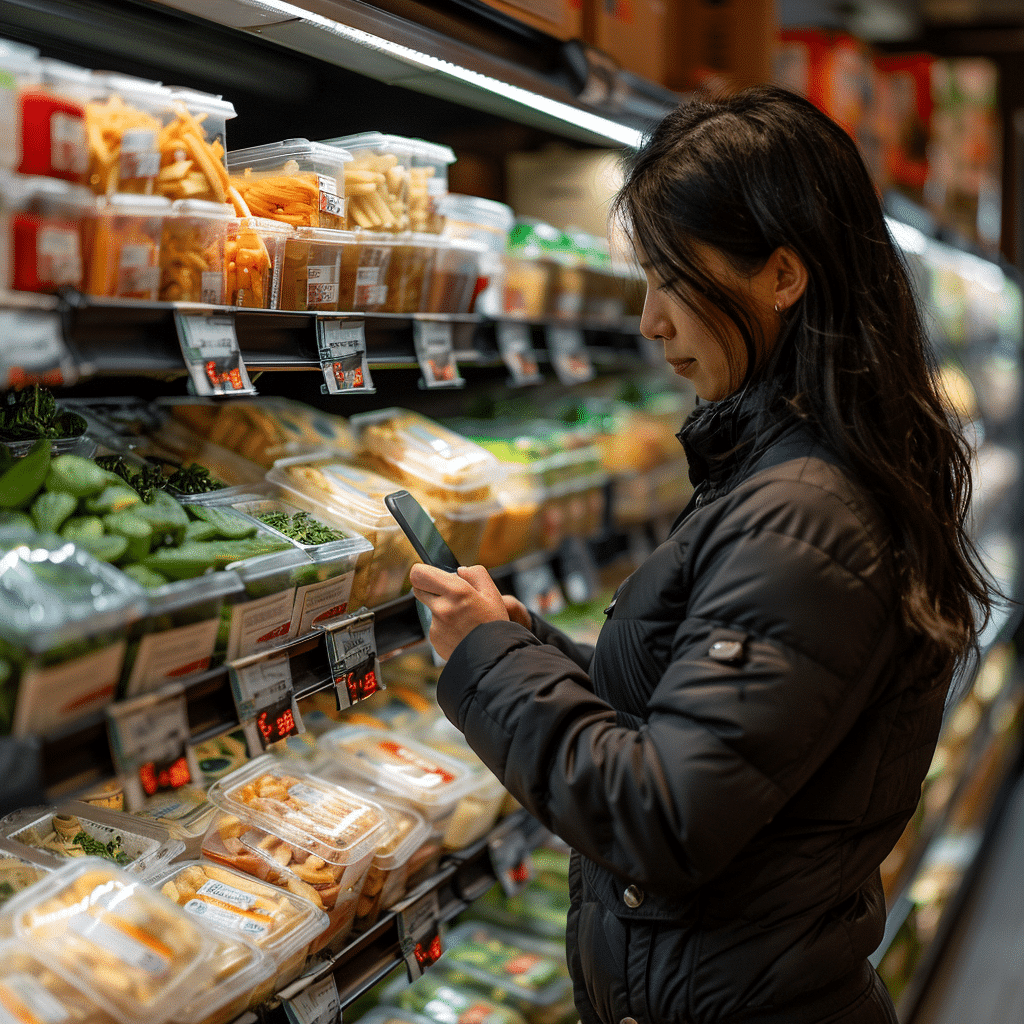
806,606
581,654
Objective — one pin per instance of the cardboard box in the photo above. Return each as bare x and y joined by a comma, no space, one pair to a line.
632,32
562,19
733,39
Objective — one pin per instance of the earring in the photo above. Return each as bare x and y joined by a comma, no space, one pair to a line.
777,310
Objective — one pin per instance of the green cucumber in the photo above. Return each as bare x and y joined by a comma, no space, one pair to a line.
51,509
199,530
196,557
166,516
16,521
82,528
135,529
21,481
230,524
109,548
115,498
75,475
143,576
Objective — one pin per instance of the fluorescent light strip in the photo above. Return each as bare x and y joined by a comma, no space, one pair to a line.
611,130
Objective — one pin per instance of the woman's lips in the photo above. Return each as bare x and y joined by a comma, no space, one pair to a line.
681,366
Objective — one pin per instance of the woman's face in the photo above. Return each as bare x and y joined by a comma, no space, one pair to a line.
715,363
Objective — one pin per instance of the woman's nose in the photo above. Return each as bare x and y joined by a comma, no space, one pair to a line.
654,324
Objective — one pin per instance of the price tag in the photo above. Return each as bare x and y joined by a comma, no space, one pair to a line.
515,343
567,349
510,858
419,932
34,350
262,689
209,346
539,590
316,1004
352,653
435,352
342,345
580,576
150,743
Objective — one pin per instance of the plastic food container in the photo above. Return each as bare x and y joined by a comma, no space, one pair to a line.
243,978
123,129
20,868
431,782
527,283
192,147
19,68
377,180
185,813
135,953
454,280
311,272
428,184
76,829
353,498
192,252
410,273
332,561
52,118
42,223
365,272
298,182
398,1015
66,617
122,247
254,256
280,923
489,223
443,1002
177,636
33,993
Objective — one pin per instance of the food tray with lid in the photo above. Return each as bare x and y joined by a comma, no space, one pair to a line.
353,498
428,184
122,247
410,273
254,251
21,867
31,992
244,977
134,952
311,272
279,922
76,829
377,180
454,279
192,251
431,781
296,181
443,1001
185,813
192,147
365,272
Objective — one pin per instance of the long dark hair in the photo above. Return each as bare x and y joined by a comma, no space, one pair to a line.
761,169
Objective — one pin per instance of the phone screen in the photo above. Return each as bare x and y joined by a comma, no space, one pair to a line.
422,533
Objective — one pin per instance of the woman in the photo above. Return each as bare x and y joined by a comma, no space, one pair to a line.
747,740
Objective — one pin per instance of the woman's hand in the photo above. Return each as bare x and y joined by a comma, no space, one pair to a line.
460,602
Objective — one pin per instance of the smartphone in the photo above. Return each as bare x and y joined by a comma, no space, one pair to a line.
422,533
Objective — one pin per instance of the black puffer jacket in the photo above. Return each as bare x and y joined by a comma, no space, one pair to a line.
739,754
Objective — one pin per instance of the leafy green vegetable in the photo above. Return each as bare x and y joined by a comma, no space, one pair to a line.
33,412
193,479
301,527
94,848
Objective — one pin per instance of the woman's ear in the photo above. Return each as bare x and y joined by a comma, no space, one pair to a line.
790,277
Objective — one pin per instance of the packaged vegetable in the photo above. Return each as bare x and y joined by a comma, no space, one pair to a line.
244,977
376,180
192,252
192,155
122,247
254,255
440,1000
32,412
541,907
135,953
280,923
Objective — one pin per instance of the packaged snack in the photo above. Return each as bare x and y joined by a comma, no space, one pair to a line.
441,1000
353,498
76,829
192,164
280,923
31,992
454,279
42,223
122,247
192,252
410,273
123,128
244,977
298,182
135,953
428,184
311,270
254,255
64,619
377,180
365,272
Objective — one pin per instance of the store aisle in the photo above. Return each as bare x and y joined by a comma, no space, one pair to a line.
980,979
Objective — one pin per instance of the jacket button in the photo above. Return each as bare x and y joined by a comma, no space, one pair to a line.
726,650
633,896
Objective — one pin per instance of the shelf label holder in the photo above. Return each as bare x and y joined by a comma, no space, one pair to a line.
352,656
515,345
34,349
261,686
435,352
318,1003
567,350
419,932
341,343
209,346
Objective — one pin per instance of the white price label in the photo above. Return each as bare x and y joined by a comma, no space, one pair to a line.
567,349
435,352
262,689
538,590
419,932
342,347
352,655
317,1004
209,346
33,349
515,344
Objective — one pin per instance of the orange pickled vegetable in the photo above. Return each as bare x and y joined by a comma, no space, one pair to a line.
191,262
110,170
248,266
293,199
190,167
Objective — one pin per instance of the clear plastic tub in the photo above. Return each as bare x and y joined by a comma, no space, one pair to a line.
122,247
525,287
364,273
298,182
431,782
21,867
254,257
65,616
192,147
442,1001
185,813
134,952
123,127
377,181
244,977
477,220
311,271
280,923
410,273
76,829
177,636
398,1015
52,121
428,184
42,221
454,280
31,992
19,68
192,252
353,498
